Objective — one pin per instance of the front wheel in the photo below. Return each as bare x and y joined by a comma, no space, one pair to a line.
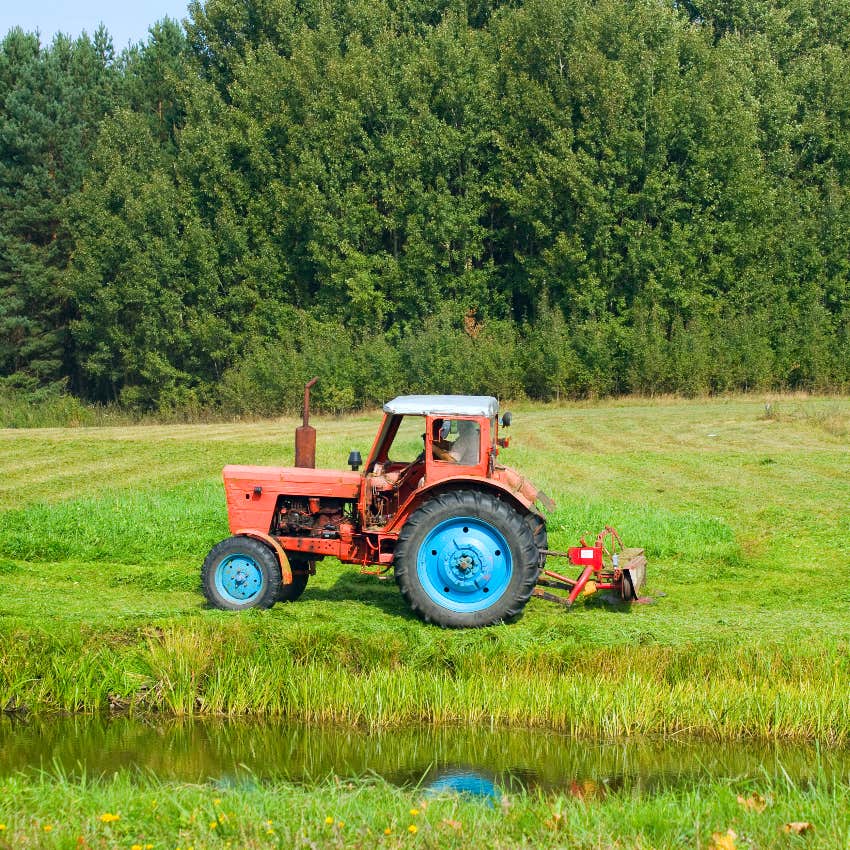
240,573
466,559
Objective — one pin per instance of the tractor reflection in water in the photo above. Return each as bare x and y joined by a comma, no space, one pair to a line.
465,782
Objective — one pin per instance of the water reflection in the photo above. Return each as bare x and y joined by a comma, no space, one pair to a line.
469,783
466,760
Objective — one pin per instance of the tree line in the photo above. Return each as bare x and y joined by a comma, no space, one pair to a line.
550,198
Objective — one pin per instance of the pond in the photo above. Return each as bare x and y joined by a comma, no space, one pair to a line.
473,759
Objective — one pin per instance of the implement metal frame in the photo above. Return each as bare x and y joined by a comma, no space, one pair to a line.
606,565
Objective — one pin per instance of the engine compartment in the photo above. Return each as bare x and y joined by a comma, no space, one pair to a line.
313,516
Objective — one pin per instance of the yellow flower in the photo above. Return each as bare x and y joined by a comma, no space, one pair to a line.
109,817
269,832
47,828
213,825
217,801
148,846
723,840
388,831
329,820
2,826
414,812
136,847
413,829
341,824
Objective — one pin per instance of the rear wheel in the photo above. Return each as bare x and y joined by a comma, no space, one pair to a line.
240,573
465,558
541,536
300,577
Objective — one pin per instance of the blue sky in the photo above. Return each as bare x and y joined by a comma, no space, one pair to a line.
126,21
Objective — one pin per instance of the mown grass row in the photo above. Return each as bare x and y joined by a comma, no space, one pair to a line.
178,525
126,810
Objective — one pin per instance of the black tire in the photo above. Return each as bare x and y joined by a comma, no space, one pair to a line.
264,567
541,535
300,577
491,512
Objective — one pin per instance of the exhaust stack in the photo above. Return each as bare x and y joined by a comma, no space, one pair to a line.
305,434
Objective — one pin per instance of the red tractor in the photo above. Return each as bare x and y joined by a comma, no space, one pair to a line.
462,532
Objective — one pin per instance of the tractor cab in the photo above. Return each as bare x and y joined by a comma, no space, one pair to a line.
424,440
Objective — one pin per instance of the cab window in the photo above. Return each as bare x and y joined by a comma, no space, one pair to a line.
457,441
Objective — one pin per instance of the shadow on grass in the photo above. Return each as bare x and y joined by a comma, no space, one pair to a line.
609,603
353,586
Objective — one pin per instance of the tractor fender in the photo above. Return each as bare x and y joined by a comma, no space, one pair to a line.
460,482
285,569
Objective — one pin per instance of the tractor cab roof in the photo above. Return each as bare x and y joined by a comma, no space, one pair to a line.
445,405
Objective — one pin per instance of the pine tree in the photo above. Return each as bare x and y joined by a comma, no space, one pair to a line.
51,99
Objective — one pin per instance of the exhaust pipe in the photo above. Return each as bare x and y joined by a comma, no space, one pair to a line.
305,435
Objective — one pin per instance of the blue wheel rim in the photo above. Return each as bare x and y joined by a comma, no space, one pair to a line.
239,579
464,564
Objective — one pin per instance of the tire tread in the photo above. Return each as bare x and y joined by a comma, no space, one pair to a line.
486,506
261,553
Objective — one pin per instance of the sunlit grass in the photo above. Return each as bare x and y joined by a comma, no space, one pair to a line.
129,811
744,518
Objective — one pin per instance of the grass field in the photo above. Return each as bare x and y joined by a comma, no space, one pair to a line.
127,811
743,512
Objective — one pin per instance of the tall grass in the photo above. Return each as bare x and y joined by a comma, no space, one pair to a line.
53,811
247,668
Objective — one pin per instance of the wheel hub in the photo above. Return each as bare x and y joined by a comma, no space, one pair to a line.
465,568
239,577
465,564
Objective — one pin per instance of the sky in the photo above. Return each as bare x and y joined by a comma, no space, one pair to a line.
126,20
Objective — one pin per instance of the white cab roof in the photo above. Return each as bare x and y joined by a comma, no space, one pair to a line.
425,405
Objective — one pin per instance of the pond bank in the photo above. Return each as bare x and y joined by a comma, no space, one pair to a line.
215,783
312,672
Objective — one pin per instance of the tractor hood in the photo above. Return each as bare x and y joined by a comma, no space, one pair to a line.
293,480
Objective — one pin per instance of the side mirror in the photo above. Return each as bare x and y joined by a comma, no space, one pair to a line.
354,460
506,419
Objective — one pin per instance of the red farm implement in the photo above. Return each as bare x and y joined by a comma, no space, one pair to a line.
464,535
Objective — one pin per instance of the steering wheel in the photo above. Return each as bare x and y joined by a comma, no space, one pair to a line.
405,471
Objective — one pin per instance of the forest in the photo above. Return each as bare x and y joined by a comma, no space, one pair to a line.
543,199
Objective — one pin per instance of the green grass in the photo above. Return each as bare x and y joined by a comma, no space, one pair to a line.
52,811
742,511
